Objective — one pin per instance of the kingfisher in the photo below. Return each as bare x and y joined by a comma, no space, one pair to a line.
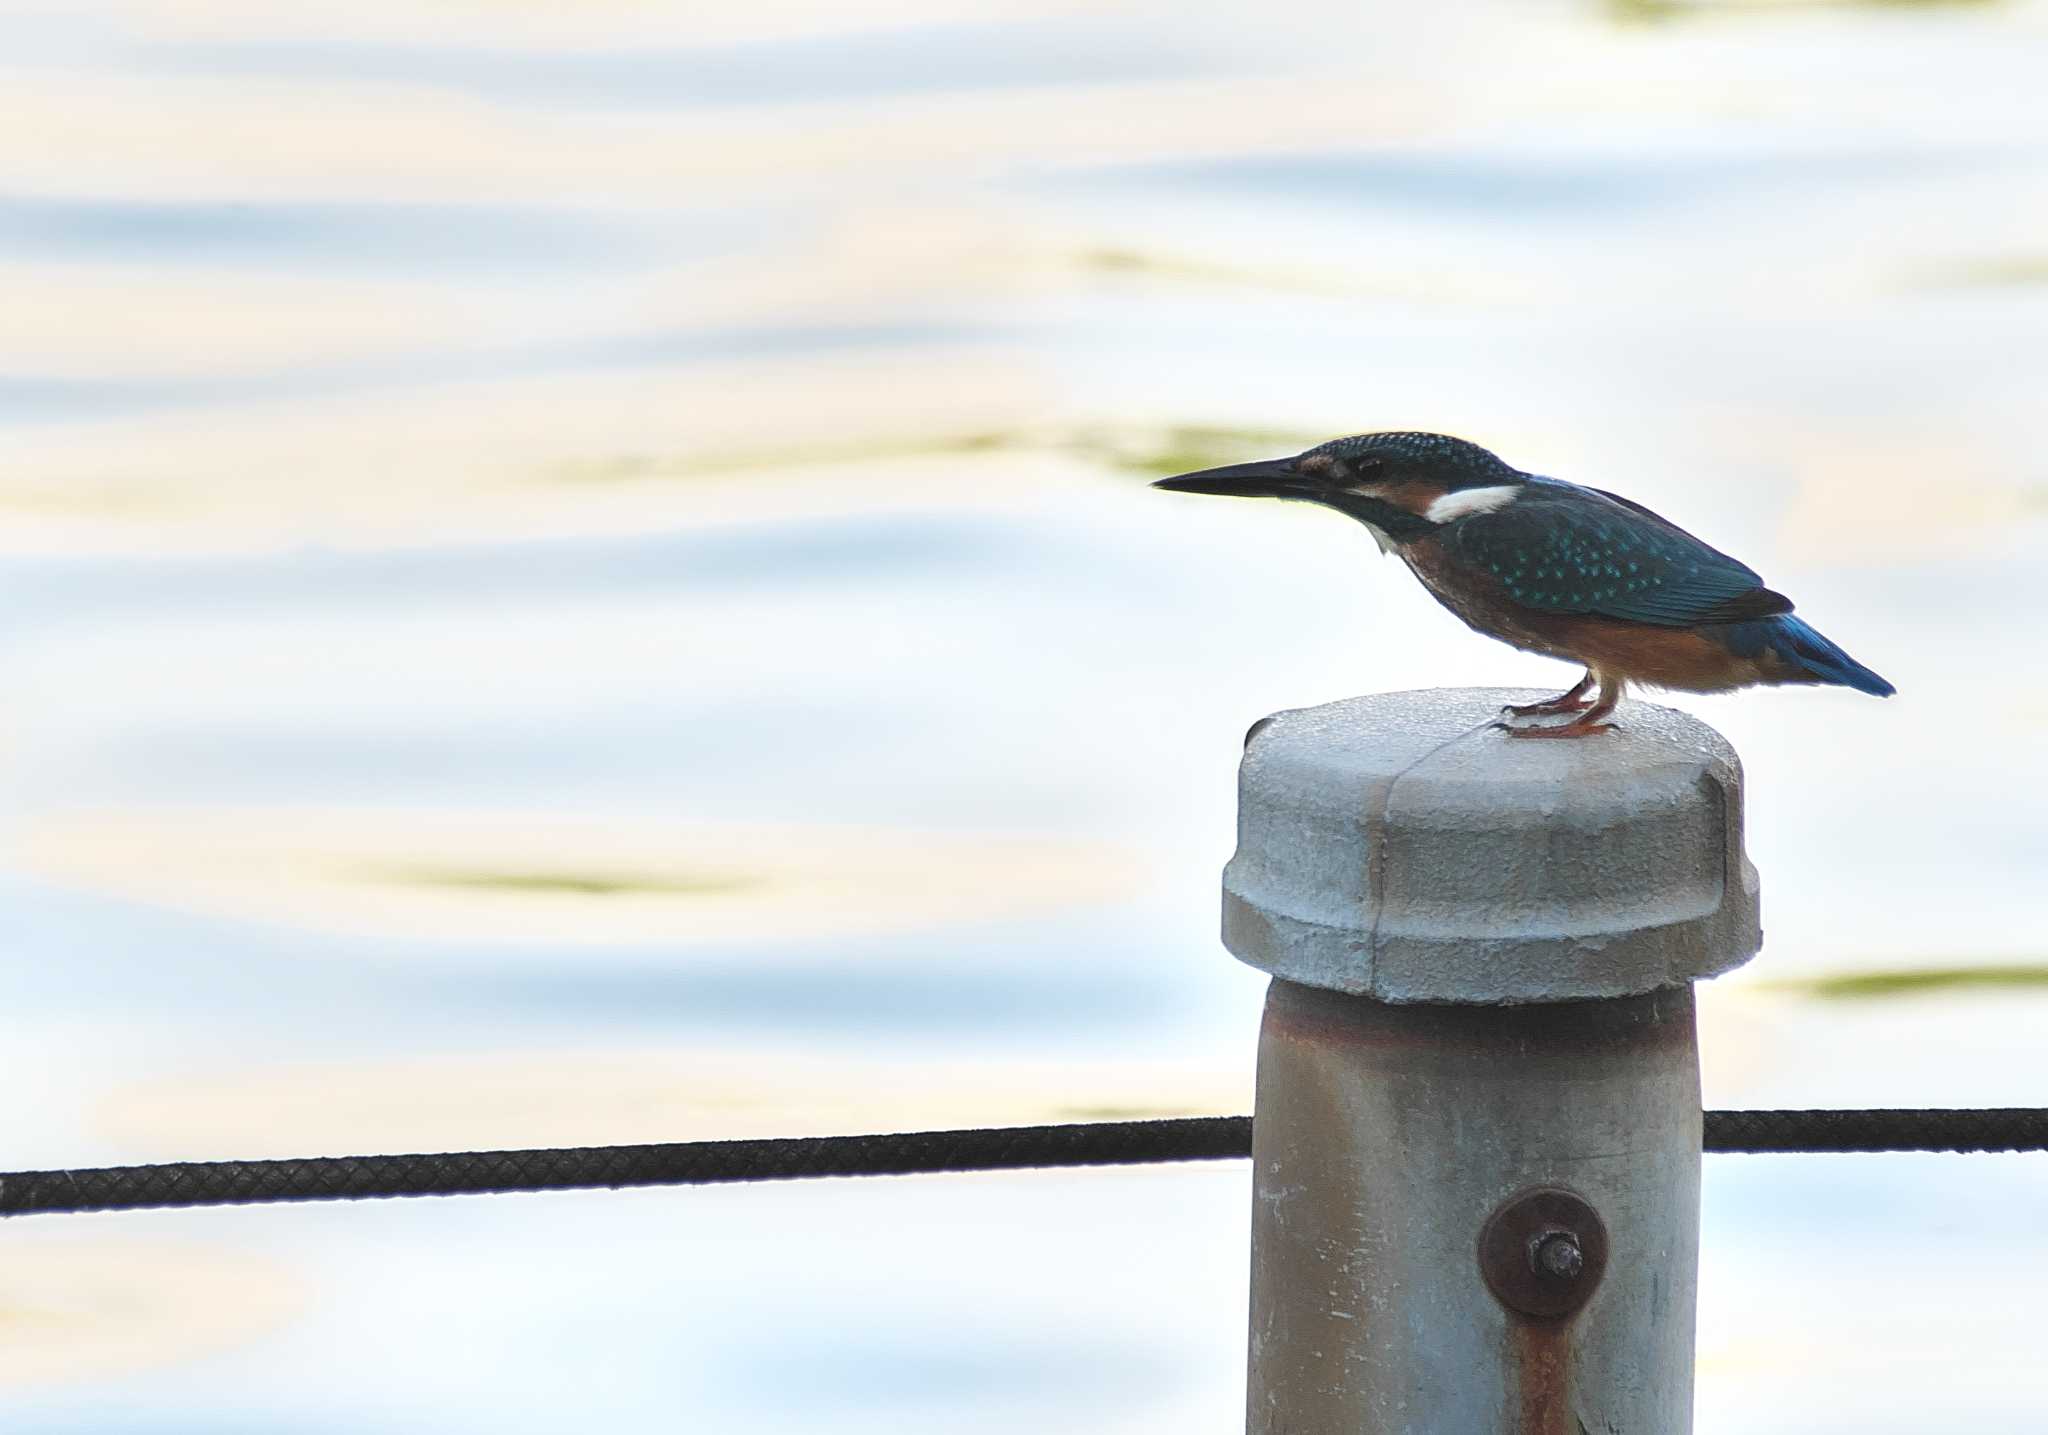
1554,568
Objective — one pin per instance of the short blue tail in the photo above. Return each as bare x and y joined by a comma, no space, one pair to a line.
1805,650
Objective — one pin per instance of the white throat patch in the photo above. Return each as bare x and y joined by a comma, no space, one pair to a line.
1464,502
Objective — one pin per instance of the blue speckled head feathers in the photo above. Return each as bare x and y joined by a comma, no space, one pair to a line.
1407,456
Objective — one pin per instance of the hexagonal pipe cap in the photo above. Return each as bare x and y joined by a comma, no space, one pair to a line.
1399,846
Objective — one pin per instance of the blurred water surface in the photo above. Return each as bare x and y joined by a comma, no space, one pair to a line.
583,573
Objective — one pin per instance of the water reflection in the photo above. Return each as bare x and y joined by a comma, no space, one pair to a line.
840,68
460,242
659,425
536,877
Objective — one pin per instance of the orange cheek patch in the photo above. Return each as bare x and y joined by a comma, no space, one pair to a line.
1413,496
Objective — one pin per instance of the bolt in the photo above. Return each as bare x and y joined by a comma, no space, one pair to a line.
1558,1257
1542,1253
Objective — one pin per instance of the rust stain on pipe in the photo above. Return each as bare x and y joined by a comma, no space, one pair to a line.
1539,1357
1652,1020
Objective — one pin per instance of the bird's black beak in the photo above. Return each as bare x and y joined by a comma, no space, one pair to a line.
1268,478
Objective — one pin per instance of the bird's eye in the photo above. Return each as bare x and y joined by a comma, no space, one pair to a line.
1363,467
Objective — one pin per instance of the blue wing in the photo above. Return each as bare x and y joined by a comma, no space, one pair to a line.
1559,548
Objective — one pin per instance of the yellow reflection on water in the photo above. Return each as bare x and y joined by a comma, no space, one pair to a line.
488,461
117,321
78,1307
577,1098
537,877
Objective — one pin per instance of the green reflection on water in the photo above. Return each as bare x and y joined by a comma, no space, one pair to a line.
614,468
1915,981
1990,271
564,883
1151,452
1185,448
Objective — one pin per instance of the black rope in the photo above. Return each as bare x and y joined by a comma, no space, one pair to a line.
1994,1128
348,1178
1004,1148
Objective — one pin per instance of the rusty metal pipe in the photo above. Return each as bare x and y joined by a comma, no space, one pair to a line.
1476,1145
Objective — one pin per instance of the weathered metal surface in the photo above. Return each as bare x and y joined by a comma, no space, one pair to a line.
1477,1139
1387,1136
1399,846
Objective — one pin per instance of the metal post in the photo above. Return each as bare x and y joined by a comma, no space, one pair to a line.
1476,1146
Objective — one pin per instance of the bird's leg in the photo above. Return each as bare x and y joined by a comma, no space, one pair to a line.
1587,723
1571,702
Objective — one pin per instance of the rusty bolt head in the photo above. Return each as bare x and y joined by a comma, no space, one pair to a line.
1543,1252
1558,1256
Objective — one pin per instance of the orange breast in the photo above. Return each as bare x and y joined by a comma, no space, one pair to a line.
1683,658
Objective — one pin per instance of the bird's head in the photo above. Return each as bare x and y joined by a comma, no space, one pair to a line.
1402,485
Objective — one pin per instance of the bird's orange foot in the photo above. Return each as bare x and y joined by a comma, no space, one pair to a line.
1573,701
1551,708
1581,728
